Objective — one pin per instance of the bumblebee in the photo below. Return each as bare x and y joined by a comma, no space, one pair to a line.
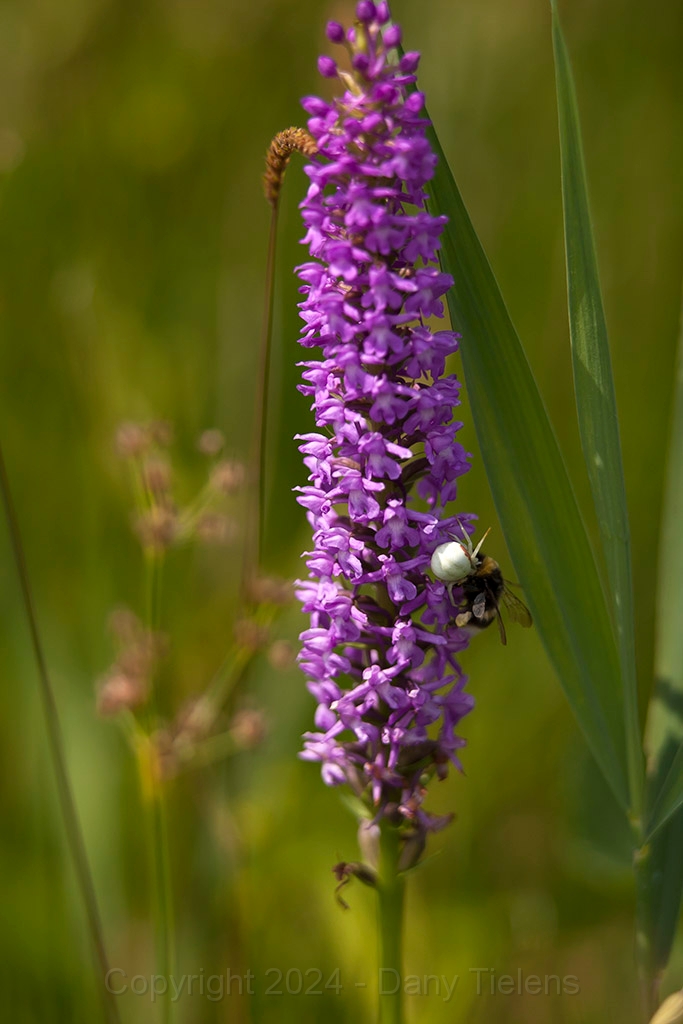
482,584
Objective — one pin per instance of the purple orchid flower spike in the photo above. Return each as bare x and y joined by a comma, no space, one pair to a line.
380,654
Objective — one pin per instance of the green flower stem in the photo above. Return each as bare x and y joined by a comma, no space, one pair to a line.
72,826
391,890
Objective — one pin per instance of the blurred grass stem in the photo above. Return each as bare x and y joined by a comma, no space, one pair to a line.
256,510
67,803
391,892
153,579
226,680
163,896
155,803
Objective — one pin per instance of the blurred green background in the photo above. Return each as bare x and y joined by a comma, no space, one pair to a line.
132,248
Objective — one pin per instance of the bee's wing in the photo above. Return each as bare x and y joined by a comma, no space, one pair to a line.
517,610
479,605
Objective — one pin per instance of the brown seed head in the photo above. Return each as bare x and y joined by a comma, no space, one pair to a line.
269,590
281,655
157,529
227,476
248,728
250,634
157,474
140,657
161,432
211,442
124,625
118,692
131,440
214,528
291,140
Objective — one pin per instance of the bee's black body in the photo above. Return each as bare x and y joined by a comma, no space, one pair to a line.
482,592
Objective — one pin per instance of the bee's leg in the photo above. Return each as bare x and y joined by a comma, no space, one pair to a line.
501,627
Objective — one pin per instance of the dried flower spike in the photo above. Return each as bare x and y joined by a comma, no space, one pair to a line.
381,651
291,140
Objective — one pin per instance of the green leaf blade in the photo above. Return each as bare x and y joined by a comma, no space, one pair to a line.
596,399
664,735
667,798
531,490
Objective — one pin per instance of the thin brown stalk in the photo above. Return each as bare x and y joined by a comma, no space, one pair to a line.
282,147
67,803
255,524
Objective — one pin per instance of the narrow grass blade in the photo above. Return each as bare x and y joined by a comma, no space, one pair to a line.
661,894
663,870
532,492
596,401
67,803
668,798
664,738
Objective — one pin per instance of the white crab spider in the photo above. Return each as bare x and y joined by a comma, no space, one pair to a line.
454,561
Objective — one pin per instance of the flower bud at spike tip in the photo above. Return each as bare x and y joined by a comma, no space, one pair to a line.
327,67
380,651
365,11
392,36
383,13
335,32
